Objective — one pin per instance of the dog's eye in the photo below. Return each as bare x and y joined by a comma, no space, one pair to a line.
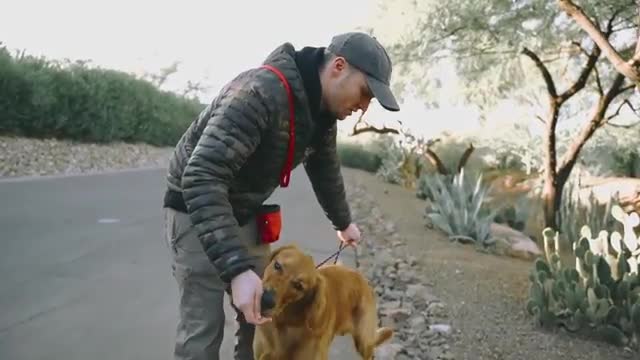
298,285
277,266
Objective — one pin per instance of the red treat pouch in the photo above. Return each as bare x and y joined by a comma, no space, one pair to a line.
269,223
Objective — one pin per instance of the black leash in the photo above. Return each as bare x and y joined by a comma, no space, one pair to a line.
336,254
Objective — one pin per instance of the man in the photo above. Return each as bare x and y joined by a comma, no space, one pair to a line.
229,162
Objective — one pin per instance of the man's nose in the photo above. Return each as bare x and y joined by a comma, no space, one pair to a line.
364,105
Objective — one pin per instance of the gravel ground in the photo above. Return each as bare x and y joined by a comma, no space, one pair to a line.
32,157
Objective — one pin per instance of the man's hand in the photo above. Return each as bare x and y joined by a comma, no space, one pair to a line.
350,235
246,292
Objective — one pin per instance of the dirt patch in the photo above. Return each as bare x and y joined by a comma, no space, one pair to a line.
485,294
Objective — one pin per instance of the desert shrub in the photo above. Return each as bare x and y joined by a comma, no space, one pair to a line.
601,293
513,147
359,156
612,152
515,214
43,98
397,162
458,209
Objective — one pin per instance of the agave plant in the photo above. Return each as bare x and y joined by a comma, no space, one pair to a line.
457,209
423,188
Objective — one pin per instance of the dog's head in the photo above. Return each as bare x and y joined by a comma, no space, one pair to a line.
291,277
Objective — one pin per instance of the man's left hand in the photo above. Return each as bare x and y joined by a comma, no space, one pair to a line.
350,236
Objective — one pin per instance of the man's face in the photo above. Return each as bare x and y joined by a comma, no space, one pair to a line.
345,90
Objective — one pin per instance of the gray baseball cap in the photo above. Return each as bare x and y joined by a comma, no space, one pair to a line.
366,54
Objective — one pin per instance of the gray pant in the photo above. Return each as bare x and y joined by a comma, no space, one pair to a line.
200,327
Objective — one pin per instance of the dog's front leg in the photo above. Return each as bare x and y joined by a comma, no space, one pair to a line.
262,347
315,349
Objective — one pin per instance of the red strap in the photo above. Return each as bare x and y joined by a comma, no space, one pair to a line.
285,174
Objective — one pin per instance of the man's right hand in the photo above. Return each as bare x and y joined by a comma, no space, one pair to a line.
246,293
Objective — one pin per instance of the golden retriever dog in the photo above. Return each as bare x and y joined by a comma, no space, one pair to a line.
312,306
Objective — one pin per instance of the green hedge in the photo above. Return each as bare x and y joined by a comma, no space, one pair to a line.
41,98
358,156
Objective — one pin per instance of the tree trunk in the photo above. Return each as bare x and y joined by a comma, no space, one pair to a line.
556,178
552,199
550,193
633,165
549,199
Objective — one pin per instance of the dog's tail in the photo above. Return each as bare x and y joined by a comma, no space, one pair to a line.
383,334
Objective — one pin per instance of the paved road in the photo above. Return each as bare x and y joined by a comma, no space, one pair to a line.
84,271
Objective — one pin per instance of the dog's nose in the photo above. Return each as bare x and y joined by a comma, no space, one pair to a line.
268,300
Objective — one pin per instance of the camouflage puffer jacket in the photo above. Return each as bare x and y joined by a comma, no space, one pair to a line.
228,162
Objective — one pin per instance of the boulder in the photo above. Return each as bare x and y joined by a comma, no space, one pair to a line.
514,243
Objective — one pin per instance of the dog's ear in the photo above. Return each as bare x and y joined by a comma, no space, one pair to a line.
318,306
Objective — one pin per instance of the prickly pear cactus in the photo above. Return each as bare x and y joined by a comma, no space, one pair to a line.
601,293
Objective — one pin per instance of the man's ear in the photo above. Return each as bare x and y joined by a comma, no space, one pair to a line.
319,305
340,63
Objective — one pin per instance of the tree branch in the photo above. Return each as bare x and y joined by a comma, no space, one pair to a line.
551,87
465,157
629,68
584,75
598,81
628,87
551,123
370,128
598,119
625,126
435,161
617,112
610,25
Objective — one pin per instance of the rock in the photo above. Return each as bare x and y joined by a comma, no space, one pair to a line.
436,309
406,277
387,351
390,305
441,328
418,324
390,227
384,257
514,243
395,294
415,290
398,314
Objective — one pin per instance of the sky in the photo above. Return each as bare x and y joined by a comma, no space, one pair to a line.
139,36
